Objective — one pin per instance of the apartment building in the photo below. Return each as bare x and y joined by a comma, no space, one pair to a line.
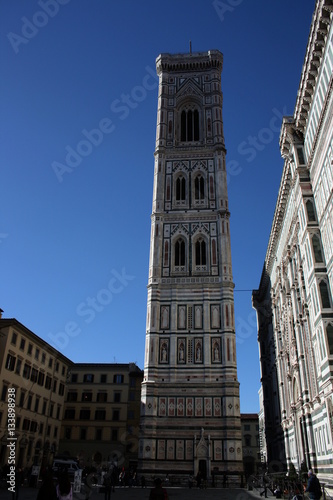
250,437
102,411
34,374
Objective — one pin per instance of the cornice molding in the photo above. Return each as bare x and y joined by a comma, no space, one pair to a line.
314,52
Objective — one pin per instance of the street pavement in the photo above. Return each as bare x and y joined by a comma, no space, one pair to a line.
137,493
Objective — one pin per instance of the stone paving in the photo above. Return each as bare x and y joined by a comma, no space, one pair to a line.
138,493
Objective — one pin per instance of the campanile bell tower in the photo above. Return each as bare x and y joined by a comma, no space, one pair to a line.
190,409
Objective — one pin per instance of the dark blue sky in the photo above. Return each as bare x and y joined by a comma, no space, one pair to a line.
78,114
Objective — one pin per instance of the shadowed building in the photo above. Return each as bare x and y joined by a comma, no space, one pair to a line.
190,415
294,299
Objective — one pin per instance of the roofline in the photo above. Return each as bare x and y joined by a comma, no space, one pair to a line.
4,323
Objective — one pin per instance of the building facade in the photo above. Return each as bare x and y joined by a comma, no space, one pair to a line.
251,450
190,414
36,375
100,424
294,299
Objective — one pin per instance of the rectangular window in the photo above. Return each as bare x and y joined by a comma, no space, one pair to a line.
98,435
30,349
41,378
84,414
43,358
86,396
34,375
22,344
115,415
33,426
72,396
51,410
26,371
48,382
4,392
57,366
83,433
54,386
14,338
50,362
26,424
61,389
103,378
29,402
41,429
118,379
116,397
101,397
37,353
58,412
37,404
100,414
44,407
10,362
69,414
88,377
74,377
22,397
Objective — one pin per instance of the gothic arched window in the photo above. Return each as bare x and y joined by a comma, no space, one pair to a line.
180,189
200,253
189,125
317,249
199,188
180,253
310,211
324,294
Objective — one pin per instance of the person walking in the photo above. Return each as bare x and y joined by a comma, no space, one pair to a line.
313,487
158,493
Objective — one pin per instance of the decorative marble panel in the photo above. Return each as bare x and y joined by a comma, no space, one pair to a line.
218,455
165,317
182,317
161,449
181,351
198,351
216,350
189,407
215,316
208,407
164,351
162,407
170,449
217,407
172,407
198,407
180,407
180,449
198,316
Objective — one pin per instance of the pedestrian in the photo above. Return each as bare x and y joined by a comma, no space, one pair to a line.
107,483
313,487
158,493
48,490
64,488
